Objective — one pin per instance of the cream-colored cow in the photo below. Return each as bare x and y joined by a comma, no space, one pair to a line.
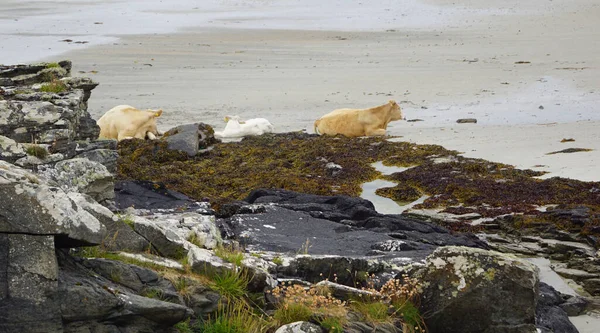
359,122
127,122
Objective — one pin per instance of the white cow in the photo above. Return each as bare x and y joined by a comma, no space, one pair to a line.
236,128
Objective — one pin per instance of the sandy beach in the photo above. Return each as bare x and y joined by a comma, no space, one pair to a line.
527,72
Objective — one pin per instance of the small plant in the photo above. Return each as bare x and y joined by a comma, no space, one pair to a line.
52,65
37,151
230,284
154,293
278,261
332,324
373,312
304,248
297,303
55,86
230,255
194,239
183,326
128,219
234,317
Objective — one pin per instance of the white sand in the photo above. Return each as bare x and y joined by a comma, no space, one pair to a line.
441,60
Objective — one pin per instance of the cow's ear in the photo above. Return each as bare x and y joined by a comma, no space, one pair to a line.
392,102
157,113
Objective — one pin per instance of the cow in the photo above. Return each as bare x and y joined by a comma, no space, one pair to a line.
359,122
236,128
126,122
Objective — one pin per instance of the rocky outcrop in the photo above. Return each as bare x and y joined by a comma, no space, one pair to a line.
30,206
550,311
149,195
44,117
488,291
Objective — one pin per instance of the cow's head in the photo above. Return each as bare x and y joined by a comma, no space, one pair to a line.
395,111
148,127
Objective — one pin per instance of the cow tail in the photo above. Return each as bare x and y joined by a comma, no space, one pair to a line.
317,126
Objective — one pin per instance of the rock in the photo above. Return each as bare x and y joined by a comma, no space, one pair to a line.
473,290
191,138
84,176
574,306
167,242
202,300
148,195
106,157
28,284
109,305
592,286
30,206
259,273
467,121
10,150
300,327
343,292
204,230
119,235
343,270
550,317
203,261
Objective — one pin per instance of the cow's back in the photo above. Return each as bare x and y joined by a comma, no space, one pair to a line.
114,119
341,121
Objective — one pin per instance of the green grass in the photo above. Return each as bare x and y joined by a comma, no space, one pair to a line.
332,324
230,255
184,327
128,219
52,65
292,312
230,284
410,316
373,312
235,317
55,86
153,293
37,151
278,261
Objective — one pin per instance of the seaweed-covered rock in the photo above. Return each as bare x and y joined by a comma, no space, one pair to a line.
191,138
473,290
31,206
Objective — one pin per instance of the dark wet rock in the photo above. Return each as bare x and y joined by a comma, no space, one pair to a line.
592,286
357,324
335,208
191,138
291,222
467,121
473,290
30,206
300,327
574,305
549,314
148,195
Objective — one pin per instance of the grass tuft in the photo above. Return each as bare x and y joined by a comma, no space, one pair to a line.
37,151
55,86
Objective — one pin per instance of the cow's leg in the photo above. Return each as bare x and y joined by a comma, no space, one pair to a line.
151,136
123,137
375,132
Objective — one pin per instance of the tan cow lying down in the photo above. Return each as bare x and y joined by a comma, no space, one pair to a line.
359,122
126,122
